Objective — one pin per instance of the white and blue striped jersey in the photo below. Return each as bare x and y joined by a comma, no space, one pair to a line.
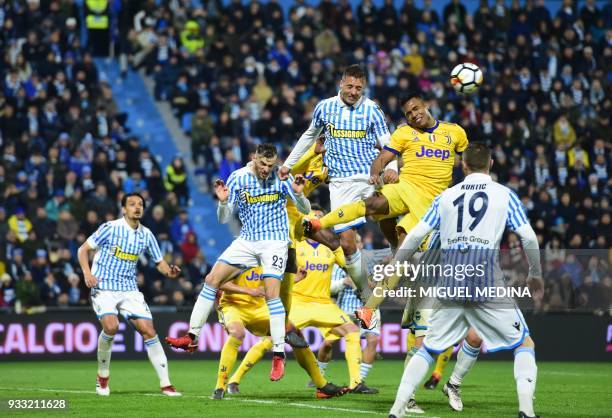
472,217
261,204
347,298
351,134
119,247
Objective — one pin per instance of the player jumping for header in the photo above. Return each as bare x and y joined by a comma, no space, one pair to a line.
353,126
260,196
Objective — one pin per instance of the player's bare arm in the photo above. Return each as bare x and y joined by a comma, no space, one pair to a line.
301,275
83,256
234,288
389,176
301,202
169,270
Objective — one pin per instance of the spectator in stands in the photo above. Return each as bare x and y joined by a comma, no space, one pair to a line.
228,165
544,107
19,224
56,204
175,180
189,248
181,227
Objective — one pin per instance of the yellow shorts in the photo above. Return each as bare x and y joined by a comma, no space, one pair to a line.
324,316
256,321
296,231
407,200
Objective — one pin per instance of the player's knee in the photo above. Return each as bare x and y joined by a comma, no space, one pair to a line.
236,332
418,341
528,343
327,345
372,341
377,205
111,328
473,339
350,328
348,244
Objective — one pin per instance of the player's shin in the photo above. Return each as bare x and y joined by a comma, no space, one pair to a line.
105,342
158,359
466,358
355,269
252,357
307,360
414,373
525,374
277,325
229,353
201,310
353,358
411,348
343,214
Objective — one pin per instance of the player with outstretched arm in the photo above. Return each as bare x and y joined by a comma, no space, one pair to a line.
472,217
260,196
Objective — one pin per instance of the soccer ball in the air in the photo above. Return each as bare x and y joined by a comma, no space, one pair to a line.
466,78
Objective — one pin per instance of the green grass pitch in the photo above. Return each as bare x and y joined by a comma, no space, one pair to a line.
564,390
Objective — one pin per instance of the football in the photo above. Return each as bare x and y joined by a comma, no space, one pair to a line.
466,78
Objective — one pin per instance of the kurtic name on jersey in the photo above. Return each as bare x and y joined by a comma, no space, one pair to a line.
473,186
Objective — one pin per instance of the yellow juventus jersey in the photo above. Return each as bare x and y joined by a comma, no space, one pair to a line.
318,260
429,155
312,168
250,278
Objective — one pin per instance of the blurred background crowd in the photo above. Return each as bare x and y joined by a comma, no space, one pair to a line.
236,74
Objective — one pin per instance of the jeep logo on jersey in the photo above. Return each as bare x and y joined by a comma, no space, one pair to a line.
317,267
443,154
253,276
345,133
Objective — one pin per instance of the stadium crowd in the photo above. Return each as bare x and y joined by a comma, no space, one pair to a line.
67,158
239,74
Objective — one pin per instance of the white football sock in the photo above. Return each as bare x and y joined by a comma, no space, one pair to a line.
277,324
414,373
202,308
105,342
525,374
355,270
322,366
158,360
364,370
466,358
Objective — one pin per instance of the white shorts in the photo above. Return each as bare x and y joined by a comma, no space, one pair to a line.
270,255
131,305
500,326
349,190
